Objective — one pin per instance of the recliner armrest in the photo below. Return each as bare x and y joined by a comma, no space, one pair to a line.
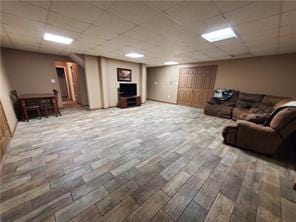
257,137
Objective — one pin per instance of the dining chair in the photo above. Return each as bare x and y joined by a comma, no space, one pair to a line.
29,105
46,105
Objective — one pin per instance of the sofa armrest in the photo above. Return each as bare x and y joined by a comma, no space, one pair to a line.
257,137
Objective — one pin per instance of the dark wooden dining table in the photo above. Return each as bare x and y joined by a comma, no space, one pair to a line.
24,98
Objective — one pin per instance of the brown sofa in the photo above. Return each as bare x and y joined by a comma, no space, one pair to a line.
242,104
267,138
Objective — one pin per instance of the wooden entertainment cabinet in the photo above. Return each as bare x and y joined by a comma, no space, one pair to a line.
125,102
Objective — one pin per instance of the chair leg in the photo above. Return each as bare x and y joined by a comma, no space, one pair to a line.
46,113
39,113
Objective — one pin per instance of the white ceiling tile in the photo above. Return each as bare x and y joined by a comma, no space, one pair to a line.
260,25
162,5
22,33
52,45
22,23
227,6
102,4
232,47
261,52
136,12
288,30
255,11
110,22
82,11
288,5
264,45
289,18
41,3
213,52
208,25
94,32
287,40
67,23
25,10
186,12
141,33
161,24
272,33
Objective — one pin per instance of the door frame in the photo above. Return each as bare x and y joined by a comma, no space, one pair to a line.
10,133
67,81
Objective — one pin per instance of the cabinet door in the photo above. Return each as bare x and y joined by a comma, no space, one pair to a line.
4,132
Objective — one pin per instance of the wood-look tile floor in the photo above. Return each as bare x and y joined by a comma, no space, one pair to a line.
157,162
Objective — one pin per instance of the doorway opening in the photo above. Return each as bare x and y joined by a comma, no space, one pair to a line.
68,79
62,78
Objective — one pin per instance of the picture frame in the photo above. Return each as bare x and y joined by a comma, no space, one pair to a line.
124,75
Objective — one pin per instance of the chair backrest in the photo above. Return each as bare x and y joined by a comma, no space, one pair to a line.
284,122
55,92
14,94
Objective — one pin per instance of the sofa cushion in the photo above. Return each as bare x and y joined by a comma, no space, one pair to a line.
255,118
247,100
218,110
237,112
283,118
268,103
256,111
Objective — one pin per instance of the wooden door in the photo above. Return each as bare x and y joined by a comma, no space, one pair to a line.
4,132
185,87
203,86
196,85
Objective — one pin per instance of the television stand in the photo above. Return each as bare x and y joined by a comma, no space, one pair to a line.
125,102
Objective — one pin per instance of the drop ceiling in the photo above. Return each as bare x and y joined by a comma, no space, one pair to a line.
162,31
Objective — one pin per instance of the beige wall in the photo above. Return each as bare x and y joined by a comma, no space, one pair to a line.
273,75
5,97
82,85
93,82
101,78
30,72
113,84
143,80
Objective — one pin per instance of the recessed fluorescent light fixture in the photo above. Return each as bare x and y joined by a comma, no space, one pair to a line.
134,55
170,63
57,38
219,35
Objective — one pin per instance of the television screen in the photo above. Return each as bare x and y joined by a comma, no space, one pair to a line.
128,89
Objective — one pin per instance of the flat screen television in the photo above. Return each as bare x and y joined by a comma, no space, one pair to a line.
128,89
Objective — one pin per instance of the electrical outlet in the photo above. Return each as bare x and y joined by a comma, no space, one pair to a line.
53,81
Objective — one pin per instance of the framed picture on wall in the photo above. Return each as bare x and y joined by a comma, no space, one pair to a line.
124,75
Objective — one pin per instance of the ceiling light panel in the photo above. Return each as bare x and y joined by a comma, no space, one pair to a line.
170,63
219,35
134,55
57,38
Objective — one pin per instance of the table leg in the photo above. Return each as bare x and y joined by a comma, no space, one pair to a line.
54,104
25,112
58,108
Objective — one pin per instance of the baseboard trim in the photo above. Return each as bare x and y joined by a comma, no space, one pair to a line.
155,100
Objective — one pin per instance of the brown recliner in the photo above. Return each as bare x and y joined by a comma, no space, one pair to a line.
267,138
